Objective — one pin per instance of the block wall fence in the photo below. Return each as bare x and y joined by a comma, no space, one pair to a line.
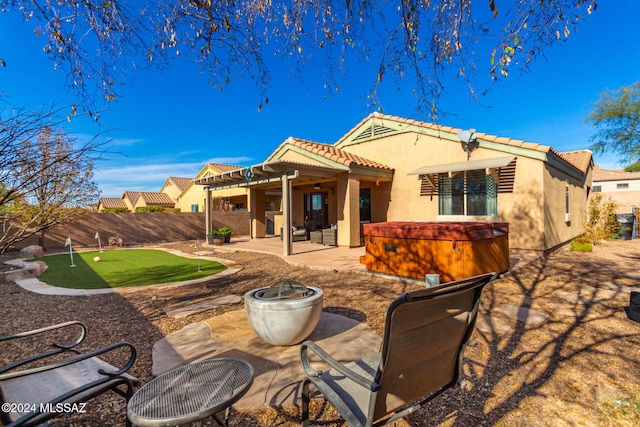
139,228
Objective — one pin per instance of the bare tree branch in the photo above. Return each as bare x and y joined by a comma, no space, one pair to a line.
98,42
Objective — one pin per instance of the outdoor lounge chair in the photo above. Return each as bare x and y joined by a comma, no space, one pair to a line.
38,393
425,336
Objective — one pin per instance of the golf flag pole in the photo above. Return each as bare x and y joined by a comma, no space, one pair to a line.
97,237
68,243
198,254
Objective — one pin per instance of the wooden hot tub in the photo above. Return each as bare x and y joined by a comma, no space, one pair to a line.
454,250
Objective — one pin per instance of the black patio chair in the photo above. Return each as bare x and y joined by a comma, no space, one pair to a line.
426,333
38,393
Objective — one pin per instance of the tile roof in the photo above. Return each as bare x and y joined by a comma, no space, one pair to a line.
112,203
613,175
224,168
331,153
581,159
158,199
578,159
131,195
180,183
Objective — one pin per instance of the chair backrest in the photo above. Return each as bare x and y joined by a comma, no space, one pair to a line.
425,335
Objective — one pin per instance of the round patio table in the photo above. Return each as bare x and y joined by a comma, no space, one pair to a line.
191,393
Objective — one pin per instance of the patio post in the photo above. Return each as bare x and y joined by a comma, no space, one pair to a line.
207,212
287,245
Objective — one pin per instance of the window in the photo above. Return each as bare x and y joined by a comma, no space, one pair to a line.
622,186
365,204
194,207
597,188
316,208
472,193
270,205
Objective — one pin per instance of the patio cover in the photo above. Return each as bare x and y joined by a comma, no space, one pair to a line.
275,173
497,162
267,173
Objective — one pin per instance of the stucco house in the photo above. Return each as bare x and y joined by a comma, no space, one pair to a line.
623,187
136,199
111,203
174,187
130,198
389,168
192,198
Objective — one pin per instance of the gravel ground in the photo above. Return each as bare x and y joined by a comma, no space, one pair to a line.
577,367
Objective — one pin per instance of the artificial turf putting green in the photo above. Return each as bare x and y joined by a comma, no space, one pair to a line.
123,268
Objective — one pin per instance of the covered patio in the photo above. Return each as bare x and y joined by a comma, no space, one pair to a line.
325,190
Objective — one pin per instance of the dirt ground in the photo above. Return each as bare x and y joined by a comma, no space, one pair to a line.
571,359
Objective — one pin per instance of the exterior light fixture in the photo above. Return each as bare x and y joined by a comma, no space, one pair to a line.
467,137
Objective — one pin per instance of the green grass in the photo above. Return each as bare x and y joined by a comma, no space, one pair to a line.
579,245
123,268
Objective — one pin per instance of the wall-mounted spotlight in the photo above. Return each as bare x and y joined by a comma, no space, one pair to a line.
467,137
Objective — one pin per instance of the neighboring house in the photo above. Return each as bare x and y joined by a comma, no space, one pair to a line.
174,187
137,199
130,198
389,168
111,203
154,199
192,198
623,187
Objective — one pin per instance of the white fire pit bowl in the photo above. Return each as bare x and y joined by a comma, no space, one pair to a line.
283,322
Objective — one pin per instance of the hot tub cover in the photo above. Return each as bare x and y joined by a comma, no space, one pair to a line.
436,230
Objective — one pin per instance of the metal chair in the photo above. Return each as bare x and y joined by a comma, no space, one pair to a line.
37,394
425,336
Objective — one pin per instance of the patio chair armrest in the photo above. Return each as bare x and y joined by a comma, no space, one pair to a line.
59,348
326,357
74,359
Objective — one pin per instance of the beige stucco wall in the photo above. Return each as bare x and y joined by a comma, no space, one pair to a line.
526,211
556,185
626,201
524,208
171,190
127,201
195,194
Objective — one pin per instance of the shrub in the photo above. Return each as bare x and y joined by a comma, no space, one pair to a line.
224,230
581,245
145,209
115,210
601,219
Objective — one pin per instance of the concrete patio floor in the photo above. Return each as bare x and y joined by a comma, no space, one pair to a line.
278,371
315,255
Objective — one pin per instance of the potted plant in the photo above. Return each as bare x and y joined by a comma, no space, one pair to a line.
214,238
226,233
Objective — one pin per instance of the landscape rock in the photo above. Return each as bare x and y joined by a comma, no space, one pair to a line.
32,251
116,241
25,270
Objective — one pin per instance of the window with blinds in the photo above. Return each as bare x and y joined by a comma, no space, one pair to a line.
470,193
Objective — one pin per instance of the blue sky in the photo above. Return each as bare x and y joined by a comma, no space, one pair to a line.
173,123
